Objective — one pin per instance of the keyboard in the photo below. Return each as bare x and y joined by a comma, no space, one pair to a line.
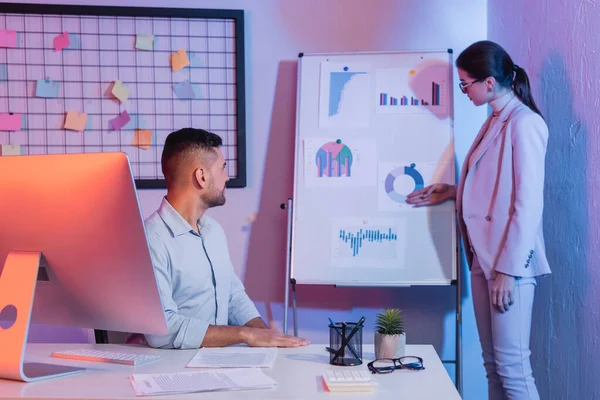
348,380
106,356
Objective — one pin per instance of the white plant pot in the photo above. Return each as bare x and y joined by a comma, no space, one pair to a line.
390,346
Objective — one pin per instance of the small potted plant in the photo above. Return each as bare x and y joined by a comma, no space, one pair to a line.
390,338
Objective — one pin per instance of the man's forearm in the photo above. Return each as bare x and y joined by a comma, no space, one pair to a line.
256,323
221,336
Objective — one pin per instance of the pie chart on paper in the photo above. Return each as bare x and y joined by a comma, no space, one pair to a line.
402,181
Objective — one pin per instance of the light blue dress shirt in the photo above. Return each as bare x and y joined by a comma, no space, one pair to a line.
197,283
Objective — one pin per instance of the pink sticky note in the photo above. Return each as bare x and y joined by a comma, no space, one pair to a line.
61,41
10,122
8,38
120,121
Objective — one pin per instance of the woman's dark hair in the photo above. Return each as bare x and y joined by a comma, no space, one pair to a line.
485,58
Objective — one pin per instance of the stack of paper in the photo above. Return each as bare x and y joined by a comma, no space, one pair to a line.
204,381
234,357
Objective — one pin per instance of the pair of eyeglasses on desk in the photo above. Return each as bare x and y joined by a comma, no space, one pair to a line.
387,365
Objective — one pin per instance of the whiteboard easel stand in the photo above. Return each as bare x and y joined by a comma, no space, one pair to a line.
288,281
291,281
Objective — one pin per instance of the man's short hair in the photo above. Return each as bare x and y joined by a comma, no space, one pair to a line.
184,143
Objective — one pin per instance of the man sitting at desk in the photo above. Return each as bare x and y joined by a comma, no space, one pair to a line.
205,303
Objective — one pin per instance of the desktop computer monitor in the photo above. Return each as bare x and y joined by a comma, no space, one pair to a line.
73,251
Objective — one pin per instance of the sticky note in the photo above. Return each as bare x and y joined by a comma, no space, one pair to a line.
88,123
195,59
120,91
74,42
179,60
120,121
8,38
142,139
3,73
10,122
136,122
10,150
75,121
184,90
61,41
144,42
47,88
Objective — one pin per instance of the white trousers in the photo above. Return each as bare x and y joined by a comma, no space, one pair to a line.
505,338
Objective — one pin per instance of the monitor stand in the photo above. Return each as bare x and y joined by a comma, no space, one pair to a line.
17,289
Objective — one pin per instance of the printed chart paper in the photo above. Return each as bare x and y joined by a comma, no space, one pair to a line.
345,91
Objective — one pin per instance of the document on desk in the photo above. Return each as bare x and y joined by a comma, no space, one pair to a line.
201,381
234,357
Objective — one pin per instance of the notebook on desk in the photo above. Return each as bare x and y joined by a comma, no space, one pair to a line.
348,380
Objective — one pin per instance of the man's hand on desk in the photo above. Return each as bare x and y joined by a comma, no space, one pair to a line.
257,337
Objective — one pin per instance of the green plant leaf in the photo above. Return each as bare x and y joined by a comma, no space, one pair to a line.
389,321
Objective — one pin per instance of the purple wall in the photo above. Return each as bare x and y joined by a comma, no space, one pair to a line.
557,43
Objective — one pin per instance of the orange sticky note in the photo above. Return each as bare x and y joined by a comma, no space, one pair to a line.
142,139
61,41
75,121
179,60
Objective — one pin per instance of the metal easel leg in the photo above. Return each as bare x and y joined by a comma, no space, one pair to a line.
458,371
288,256
295,314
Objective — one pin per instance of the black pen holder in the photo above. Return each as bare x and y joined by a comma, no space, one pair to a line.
345,343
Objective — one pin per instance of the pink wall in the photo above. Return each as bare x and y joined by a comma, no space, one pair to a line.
557,42
276,31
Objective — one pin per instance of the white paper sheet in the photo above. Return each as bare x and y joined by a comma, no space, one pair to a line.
345,91
201,381
234,357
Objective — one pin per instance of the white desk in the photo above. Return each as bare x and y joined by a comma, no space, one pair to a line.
298,372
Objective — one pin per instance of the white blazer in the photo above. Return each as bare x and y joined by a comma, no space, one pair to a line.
500,196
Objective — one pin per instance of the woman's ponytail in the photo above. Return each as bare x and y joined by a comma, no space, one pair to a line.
522,88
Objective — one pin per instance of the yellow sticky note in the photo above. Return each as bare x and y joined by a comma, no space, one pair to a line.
142,139
179,60
144,42
75,121
120,91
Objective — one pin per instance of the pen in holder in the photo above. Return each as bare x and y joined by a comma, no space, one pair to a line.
345,343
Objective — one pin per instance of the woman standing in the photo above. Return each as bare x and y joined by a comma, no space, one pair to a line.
499,203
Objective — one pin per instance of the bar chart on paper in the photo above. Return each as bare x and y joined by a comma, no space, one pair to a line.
334,159
335,162
344,95
410,91
356,240
387,100
369,241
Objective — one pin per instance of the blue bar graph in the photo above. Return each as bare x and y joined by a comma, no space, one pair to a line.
357,239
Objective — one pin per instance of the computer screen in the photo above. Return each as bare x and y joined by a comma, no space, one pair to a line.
81,211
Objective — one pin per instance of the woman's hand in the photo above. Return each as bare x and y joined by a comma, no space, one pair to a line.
502,291
432,195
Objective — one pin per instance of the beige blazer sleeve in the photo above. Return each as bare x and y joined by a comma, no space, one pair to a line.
529,139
